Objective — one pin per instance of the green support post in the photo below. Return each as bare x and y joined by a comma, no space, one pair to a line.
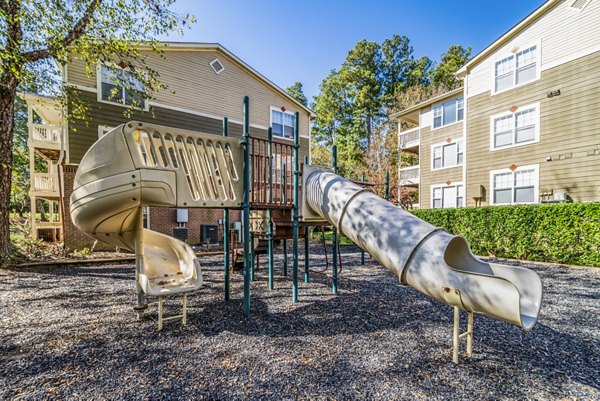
226,261
246,205
387,185
306,244
295,227
252,257
362,252
284,199
269,212
334,283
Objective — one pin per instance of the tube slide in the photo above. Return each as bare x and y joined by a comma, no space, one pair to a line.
137,165
428,259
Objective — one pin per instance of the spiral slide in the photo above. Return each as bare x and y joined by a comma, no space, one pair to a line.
137,165
428,259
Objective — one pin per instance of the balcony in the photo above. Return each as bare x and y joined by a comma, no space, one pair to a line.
410,176
44,184
409,139
44,136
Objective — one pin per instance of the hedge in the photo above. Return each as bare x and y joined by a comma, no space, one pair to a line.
561,233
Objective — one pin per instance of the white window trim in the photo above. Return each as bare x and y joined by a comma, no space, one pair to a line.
516,145
536,187
271,109
216,60
444,144
99,89
451,124
103,130
442,186
508,53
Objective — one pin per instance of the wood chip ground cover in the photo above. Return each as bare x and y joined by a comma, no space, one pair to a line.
70,333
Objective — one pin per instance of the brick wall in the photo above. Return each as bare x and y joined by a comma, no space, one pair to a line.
162,220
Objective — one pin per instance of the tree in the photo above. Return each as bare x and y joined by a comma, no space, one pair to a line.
444,73
297,93
34,33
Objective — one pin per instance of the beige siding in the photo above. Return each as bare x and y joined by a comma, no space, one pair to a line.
569,132
198,88
564,34
82,135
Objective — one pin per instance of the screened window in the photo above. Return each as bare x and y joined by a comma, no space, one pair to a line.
510,187
516,69
448,196
448,113
130,93
520,127
447,155
282,124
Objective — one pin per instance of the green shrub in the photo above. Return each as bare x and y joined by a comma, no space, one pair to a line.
561,233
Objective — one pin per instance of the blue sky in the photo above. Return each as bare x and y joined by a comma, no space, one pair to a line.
304,40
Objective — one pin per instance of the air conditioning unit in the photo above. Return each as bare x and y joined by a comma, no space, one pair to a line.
209,234
181,233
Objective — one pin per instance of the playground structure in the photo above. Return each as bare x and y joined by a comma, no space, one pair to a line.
139,164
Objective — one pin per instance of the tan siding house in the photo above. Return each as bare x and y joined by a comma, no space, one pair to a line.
532,112
205,83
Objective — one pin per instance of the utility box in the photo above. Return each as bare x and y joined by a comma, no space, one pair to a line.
182,215
209,233
181,233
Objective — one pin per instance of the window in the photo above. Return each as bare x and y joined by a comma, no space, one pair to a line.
447,155
516,69
103,130
444,196
282,123
448,113
217,66
514,129
110,91
518,186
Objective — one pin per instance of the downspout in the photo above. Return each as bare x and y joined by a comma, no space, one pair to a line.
61,180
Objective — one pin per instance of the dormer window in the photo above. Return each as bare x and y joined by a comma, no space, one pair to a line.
217,66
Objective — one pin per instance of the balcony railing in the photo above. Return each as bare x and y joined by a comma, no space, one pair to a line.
410,138
410,175
44,182
45,133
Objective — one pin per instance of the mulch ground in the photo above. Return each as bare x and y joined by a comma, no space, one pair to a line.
70,333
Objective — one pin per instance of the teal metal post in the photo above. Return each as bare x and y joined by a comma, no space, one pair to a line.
306,244
334,283
246,206
387,185
226,239
362,252
269,211
295,226
252,256
284,199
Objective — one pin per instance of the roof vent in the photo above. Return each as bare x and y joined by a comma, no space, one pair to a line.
579,5
217,66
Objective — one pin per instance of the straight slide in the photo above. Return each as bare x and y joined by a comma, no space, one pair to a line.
427,258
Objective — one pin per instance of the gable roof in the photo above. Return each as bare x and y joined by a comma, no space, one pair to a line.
201,46
508,35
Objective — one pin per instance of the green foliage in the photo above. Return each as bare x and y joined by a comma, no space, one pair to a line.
297,93
455,57
82,253
564,233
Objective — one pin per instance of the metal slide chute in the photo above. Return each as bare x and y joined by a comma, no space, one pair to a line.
137,165
428,259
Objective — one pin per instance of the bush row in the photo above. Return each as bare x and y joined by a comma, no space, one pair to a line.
561,233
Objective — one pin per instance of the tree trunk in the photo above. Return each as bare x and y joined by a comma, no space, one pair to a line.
8,91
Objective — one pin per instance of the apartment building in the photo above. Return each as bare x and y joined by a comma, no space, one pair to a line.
530,110
205,83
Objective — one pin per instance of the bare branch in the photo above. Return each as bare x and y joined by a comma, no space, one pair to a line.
75,33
